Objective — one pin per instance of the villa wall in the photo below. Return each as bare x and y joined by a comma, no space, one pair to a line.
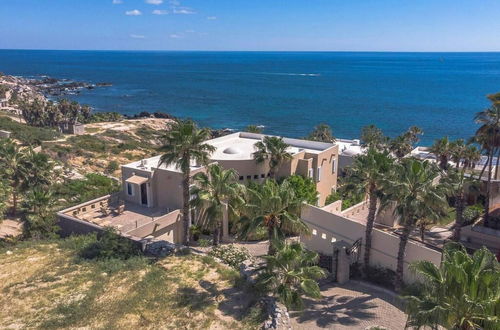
326,225
168,227
477,235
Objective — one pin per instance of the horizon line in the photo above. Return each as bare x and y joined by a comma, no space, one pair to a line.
249,51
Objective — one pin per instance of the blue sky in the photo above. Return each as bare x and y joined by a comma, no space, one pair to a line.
336,25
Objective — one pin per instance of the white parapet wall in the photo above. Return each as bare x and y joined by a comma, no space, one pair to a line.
327,227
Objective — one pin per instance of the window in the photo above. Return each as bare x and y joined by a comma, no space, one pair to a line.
256,176
130,189
241,177
310,173
249,177
263,176
318,176
269,174
334,166
314,232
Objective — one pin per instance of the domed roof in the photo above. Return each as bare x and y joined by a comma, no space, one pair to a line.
232,151
351,152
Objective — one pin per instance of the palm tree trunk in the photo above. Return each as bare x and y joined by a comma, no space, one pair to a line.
270,234
216,236
185,206
496,166
403,240
488,190
422,232
459,216
14,200
372,209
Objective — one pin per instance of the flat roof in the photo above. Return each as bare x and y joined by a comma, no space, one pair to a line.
241,146
236,146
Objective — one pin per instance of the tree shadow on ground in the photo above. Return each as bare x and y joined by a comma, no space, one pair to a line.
234,301
340,309
194,299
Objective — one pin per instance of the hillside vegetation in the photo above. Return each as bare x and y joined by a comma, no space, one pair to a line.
46,285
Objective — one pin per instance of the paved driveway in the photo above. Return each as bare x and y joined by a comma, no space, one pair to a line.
350,306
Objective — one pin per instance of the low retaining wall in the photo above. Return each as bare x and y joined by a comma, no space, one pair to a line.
479,235
168,228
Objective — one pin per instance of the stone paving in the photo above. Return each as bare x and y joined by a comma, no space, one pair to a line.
353,305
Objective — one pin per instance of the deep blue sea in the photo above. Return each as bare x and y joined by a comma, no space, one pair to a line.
288,92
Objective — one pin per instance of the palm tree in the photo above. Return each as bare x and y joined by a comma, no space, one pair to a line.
417,197
183,144
488,135
253,129
213,191
273,149
322,133
274,207
403,144
291,274
442,150
456,181
39,201
462,293
13,168
373,137
367,176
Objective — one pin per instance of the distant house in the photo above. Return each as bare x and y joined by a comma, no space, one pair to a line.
74,129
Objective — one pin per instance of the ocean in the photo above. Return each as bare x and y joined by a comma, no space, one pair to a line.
287,92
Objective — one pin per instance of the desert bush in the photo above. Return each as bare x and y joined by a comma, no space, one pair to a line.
112,166
109,245
471,213
28,134
230,254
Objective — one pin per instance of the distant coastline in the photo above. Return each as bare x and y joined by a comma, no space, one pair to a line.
440,92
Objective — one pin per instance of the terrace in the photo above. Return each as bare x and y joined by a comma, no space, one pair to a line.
129,219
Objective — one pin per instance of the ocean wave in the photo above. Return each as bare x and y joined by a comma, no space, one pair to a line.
292,74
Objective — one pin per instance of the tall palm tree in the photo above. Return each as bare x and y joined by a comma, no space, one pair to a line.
457,182
403,144
13,168
462,293
274,207
373,137
442,150
274,150
367,176
254,129
183,143
291,274
215,190
322,133
489,135
39,201
417,197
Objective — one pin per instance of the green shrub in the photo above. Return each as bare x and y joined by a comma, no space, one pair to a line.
304,188
112,166
28,134
471,213
103,117
38,226
110,245
377,275
203,242
230,254
88,143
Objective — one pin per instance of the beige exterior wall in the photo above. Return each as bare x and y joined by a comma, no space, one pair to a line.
326,225
478,235
164,187
168,228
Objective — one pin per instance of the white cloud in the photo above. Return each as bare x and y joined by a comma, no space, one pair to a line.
175,2
176,36
134,12
117,2
212,18
137,36
184,11
160,12
154,2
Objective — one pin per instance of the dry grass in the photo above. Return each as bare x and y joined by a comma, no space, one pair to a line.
46,286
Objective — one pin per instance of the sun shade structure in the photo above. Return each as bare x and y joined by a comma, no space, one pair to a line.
136,179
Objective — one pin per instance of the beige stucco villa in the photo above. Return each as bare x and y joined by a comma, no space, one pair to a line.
148,206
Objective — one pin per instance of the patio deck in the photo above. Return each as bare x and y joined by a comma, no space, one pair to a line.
132,217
